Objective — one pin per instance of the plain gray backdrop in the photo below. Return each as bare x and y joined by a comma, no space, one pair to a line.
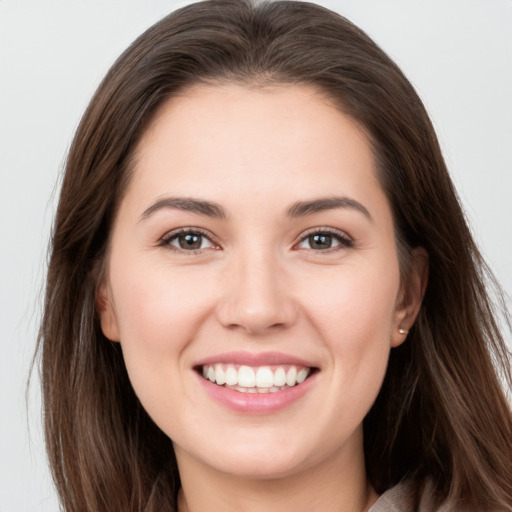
458,54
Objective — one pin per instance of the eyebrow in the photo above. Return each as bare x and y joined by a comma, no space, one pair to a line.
186,204
304,208
298,209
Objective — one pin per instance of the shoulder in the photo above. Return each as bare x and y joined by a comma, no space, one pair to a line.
406,497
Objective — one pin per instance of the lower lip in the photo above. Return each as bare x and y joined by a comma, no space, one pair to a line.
256,403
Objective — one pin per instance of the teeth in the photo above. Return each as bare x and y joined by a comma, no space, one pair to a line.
291,376
231,376
220,376
301,375
280,377
263,379
246,377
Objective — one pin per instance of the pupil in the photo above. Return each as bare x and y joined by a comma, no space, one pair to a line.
190,241
320,241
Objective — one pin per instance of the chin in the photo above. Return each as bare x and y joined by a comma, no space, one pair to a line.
263,466
256,458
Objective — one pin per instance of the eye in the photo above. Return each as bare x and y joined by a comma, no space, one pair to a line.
190,240
324,240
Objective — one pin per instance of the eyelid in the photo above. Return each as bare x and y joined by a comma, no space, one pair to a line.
165,240
344,239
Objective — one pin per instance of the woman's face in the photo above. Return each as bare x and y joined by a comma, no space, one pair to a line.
255,245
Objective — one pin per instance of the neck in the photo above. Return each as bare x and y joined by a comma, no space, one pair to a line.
328,486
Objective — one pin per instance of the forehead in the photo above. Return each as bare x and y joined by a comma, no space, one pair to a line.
250,111
290,139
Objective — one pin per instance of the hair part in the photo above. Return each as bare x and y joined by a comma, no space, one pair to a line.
441,414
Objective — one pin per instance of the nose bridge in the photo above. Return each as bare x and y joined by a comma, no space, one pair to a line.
257,296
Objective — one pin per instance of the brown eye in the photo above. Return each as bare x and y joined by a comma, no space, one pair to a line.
188,241
325,240
320,241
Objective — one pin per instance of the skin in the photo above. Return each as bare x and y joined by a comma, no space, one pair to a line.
258,285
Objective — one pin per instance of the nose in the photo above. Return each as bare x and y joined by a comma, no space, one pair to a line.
257,296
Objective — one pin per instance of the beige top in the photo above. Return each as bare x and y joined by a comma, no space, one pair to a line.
401,499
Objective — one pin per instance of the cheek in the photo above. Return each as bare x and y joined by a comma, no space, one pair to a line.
157,304
356,299
159,311
354,310
355,321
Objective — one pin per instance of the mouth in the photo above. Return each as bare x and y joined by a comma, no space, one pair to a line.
255,379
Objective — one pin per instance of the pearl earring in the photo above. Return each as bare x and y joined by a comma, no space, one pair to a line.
403,331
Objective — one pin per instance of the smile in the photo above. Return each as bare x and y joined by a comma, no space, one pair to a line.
260,379
249,383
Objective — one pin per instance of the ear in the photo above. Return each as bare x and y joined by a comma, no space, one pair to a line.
106,312
410,297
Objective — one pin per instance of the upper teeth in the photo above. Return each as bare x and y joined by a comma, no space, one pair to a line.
260,377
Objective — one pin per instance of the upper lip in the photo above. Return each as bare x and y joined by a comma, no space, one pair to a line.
255,359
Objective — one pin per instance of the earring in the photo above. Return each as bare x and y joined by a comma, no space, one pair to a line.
403,331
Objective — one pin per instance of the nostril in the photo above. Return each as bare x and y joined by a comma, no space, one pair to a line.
245,315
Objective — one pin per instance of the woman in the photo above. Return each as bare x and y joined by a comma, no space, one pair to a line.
276,299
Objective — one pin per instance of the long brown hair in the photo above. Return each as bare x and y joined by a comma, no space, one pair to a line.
441,414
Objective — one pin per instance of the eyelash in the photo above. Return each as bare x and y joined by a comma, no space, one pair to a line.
166,240
344,241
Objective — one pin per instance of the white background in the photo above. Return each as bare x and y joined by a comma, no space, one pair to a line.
458,54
